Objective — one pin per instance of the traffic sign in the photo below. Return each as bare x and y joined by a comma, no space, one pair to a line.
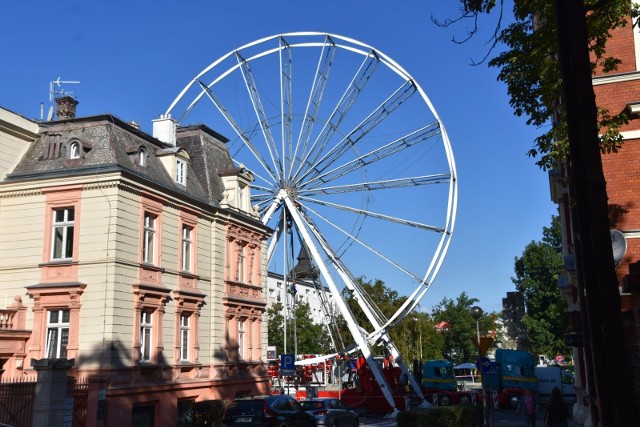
288,364
483,364
485,343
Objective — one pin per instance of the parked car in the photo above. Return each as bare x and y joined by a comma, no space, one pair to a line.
267,411
330,413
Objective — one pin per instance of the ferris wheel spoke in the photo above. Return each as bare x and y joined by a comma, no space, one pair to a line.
241,134
377,215
380,185
363,244
382,112
347,100
407,141
286,107
254,95
372,312
320,80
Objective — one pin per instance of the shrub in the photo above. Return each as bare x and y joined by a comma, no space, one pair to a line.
443,416
207,413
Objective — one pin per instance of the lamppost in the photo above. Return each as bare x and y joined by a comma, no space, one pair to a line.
476,313
419,335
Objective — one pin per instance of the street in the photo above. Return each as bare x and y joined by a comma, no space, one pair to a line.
499,418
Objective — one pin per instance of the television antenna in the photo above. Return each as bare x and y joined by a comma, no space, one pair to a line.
60,92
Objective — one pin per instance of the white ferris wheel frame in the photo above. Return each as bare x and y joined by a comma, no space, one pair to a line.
308,231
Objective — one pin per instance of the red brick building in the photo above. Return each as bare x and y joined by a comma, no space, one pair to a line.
616,91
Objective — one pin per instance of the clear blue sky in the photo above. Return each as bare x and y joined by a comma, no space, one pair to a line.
132,59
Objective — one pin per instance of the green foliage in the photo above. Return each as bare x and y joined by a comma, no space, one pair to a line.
414,332
311,338
207,413
461,334
530,69
448,416
537,272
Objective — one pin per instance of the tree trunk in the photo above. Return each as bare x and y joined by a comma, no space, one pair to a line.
613,395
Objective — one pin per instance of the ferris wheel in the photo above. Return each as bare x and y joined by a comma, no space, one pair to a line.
351,163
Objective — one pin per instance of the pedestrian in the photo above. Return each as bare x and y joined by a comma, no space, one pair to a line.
557,413
529,405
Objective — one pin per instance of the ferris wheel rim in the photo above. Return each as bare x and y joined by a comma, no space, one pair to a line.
362,49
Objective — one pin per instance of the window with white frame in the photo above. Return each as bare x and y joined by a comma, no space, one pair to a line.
62,239
241,263
181,169
149,238
74,150
241,336
184,337
57,334
146,328
186,248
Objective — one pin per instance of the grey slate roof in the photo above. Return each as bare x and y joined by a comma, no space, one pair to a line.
110,144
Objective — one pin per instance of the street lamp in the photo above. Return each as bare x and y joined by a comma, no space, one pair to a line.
420,335
476,313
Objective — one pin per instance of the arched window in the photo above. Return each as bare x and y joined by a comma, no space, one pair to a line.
74,150
142,157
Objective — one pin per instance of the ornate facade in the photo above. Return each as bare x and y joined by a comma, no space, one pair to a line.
138,259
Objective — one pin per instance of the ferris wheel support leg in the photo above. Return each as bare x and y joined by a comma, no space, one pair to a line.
354,328
405,370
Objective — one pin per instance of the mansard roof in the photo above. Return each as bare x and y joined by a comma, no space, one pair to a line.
107,144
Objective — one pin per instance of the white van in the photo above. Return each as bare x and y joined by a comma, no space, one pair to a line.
554,376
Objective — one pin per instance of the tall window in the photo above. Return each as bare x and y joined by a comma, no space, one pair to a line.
62,241
241,334
142,157
57,334
241,263
145,335
186,248
180,171
184,337
149,238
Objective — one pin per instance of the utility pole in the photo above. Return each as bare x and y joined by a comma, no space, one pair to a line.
612,403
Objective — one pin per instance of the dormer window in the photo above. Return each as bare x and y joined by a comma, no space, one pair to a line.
74,150
142,157
175,160
181,169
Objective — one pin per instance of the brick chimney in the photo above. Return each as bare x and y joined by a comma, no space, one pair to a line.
66,108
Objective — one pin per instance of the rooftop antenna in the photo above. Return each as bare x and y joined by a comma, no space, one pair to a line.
58,92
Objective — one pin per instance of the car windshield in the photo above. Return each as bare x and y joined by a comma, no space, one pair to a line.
245,407
311,405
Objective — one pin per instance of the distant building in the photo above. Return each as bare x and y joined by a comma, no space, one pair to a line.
137,257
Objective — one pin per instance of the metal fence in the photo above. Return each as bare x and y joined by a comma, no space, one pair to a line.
17,397
16,401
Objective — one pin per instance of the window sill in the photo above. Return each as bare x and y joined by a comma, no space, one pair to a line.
188,275
151,267
56,263
187,364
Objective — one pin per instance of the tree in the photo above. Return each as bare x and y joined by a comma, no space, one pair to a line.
537,272
309,337
407,334
459,332
582,29
531,70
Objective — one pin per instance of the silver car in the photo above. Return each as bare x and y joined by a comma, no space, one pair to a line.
330,413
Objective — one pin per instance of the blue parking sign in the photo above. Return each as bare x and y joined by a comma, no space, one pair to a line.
288,362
